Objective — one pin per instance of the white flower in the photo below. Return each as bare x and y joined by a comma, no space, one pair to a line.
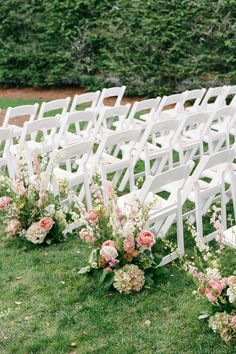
50,210
108,252
213,273
231,292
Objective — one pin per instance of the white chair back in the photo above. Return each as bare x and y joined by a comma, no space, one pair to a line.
49,108
87,101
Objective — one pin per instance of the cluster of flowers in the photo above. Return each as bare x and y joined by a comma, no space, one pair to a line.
219,289
122,250
31,211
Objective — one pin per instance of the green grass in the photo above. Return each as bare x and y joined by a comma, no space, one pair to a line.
51,306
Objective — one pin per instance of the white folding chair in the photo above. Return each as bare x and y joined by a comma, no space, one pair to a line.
111,119
141,112
189,137
167,210
63,167
112,158
116,93
38,137
6,162
155,149
214,98
192,100
87,101
204,193
76,125
26,112
53,108
170,107
230,98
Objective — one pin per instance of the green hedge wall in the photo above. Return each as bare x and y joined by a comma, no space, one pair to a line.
152,46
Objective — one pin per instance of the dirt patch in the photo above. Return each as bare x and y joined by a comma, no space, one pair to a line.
52,94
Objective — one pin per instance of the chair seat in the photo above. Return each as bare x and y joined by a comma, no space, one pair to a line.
72,178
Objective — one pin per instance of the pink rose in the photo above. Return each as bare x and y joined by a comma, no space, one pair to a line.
13,226
233,322
214,289
46,223
92,216
128,244
146,239
109,243
109,253
4,202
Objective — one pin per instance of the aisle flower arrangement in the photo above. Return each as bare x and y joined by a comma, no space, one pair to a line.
212,283
123,251
31,211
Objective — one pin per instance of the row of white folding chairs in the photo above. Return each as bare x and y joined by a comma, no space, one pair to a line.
175,181
200,101
157,143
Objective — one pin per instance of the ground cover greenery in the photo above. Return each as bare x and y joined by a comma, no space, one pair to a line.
153,47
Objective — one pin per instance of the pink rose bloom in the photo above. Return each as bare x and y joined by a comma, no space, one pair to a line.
233,322
146,239
46,223
4,202
13,226
214,289
109,243
92,216
128,244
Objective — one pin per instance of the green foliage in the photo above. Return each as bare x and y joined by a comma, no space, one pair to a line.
153,47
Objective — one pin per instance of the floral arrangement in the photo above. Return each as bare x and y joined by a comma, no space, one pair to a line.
122,250
212,283
31,211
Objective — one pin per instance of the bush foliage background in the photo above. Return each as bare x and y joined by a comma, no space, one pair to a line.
153,46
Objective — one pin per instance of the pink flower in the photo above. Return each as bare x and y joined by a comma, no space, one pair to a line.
109,243
21,188
4,202
233,322
146,239
13,226
86,236
108,269
109,253
128,244
214,289
46,223
109,188
113,262
92,216
118,212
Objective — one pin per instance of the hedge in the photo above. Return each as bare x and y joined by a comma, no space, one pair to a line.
152,46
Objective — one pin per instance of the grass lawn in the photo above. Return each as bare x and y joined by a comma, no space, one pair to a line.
45,306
